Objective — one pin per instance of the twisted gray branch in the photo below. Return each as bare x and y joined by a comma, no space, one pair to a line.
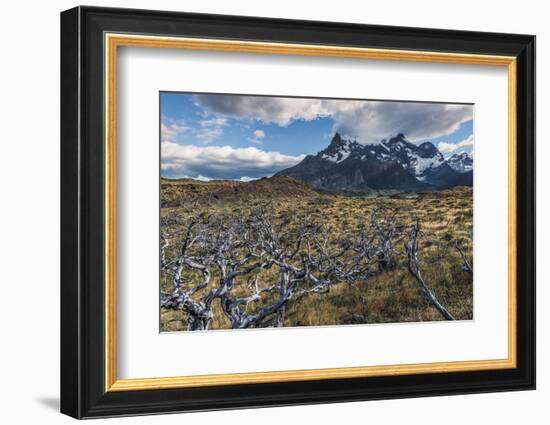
412,249
307,258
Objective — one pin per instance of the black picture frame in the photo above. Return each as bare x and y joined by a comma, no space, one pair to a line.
83,392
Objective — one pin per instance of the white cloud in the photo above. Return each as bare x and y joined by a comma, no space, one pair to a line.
208,134
373,121
202,178
213,122
279,110
247,179
221,161
370,121
445,147
210,129
169,130
207,130
257,137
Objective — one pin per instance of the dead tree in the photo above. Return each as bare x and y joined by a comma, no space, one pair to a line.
412,249
250,246
466,266
229,250
237,253
198,309
310,261
383,228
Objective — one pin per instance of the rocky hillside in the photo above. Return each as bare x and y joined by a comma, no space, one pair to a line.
178,191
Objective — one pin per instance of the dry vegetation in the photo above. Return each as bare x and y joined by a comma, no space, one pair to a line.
392,295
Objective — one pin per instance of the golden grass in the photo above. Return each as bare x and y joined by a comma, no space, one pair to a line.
392,296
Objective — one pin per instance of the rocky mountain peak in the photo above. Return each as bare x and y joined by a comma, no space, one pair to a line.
338,150
395,164
428,150
336,140
461,162
462,156
399,139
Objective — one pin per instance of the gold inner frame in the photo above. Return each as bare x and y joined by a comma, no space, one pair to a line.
113,41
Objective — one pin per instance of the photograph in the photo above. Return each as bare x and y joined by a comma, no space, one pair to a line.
292,211
302,209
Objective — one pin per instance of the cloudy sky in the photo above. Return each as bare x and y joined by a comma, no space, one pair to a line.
210,136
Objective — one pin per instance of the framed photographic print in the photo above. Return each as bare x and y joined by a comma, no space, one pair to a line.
261,212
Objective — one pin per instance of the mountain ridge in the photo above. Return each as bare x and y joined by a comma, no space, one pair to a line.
392,164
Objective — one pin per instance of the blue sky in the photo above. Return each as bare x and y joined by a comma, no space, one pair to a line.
245,137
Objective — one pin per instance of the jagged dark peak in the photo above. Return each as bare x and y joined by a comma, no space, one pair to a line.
461,155
338,141
427,146
399,139
396,164
428,150
338,150
461,162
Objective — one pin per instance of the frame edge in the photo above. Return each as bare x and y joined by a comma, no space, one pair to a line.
70,380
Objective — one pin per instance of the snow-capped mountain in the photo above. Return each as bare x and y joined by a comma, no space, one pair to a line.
395,164
417,160
461,162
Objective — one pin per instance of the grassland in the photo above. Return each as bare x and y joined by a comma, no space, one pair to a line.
391,296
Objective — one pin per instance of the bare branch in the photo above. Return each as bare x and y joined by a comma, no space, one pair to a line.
466,266
255,266
412,248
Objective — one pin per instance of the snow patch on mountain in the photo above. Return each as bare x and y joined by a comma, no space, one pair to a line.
424,162
461,162
338,157
393,164
420,165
